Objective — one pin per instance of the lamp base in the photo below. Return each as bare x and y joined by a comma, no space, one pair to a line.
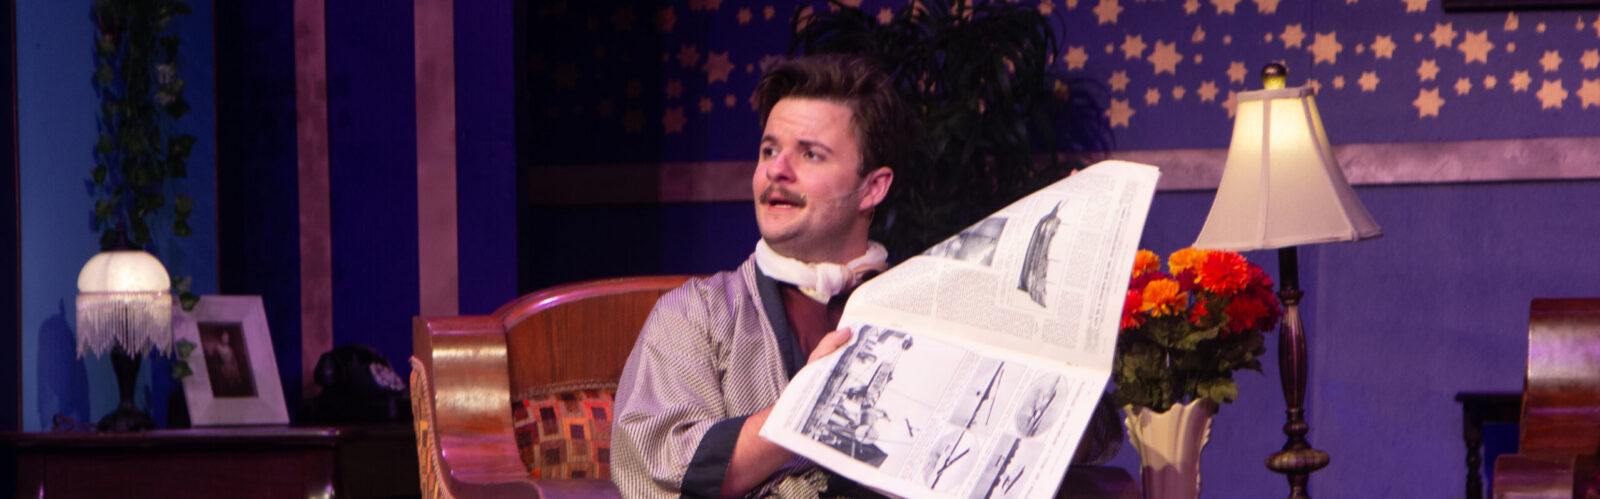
127,417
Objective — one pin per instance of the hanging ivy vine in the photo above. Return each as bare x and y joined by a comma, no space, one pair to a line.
140,157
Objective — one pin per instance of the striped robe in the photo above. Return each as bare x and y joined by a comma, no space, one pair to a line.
707,357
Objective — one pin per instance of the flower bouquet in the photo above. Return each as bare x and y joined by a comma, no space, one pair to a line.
1184,332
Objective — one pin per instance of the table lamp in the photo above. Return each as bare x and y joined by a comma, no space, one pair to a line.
124,306
1280,189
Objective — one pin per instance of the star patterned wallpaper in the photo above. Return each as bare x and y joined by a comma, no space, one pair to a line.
652,81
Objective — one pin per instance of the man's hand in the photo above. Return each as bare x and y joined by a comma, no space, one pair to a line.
832,341
754,458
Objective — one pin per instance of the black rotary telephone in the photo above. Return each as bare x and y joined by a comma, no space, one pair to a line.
358,386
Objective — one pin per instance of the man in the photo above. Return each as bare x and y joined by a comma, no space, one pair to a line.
715,353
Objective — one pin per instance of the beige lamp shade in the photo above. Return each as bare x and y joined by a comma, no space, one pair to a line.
1281,186
124,298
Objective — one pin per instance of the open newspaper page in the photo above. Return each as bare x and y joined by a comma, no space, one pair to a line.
975,367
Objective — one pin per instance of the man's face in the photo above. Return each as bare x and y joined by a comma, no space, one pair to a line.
812,204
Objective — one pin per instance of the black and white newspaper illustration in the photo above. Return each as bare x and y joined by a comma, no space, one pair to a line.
974,367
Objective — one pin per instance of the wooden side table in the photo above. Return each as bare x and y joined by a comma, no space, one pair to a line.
1478,408
372,461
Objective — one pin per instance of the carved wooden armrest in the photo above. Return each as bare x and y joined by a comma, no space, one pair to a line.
466,389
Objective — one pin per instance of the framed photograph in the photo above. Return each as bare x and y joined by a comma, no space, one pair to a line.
235,380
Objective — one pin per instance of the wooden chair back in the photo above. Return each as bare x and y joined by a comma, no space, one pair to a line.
1559,434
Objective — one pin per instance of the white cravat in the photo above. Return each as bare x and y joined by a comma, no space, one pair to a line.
820,281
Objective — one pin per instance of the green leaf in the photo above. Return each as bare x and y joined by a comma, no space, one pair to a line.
99,175
181,370
104,75
181,227
141,231
177,108
183,205
188,300
184,347
1220,390
108,239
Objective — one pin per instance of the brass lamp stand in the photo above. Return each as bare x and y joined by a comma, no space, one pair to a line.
1297,459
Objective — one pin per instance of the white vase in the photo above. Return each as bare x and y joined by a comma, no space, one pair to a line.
1169,445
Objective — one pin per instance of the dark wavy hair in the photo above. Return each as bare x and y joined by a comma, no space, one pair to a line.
885,126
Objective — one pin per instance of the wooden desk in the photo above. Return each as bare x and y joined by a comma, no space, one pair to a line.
1478,408
377,461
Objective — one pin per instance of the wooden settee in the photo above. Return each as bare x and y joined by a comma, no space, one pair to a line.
466,370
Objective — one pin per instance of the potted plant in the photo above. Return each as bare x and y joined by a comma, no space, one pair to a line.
995,114
1184,332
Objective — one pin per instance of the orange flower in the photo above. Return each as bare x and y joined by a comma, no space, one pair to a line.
1146,261
1162,297
1224,273
1185,259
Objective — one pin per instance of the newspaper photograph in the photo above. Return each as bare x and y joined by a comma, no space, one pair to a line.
975,367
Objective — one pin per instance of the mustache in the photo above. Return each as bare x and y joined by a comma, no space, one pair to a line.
783,193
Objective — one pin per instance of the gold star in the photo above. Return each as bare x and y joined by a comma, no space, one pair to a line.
1292,36
1476,47
1046,7
1463,86
1551,61
665,20
1428,103
1368,81
1383,47
768,12
1361,49
673,120
674,89
1232,104
1075,57
1178,92
699,5
605,108
1191,6
1072,4
1511,47
705,105
1489,82
1266,6
1111,48
885,15
1198,36
1207,91
730,101
1118,81
1590,93
1520,81
1132,46
1119,113
1590,59
1417,37
1316,86
717,67
1511,21
1443,35
1427,70
1326,48
1551,95
1338,82
1596,26
566,75
1416,5
1538,28
1236,72
745,15
1165,58
1225,6
688,56
1107,11
1198,58
1152,97
1227,39
633,121
634,89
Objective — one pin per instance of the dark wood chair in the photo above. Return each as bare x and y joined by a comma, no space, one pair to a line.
1559,434
465,370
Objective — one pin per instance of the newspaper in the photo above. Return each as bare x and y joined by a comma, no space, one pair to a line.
974,368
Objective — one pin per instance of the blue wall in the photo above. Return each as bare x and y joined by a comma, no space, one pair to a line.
56,111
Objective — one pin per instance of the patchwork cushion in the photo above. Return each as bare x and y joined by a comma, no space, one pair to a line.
564,431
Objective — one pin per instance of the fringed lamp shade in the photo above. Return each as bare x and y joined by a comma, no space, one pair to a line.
123,298
1281,186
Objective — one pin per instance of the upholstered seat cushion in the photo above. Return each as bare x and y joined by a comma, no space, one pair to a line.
564,431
